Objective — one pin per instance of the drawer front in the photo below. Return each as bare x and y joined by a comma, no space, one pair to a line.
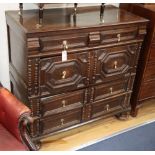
61,103
60,121
102,107
58,77
152,53
113,88
87,38
115,62
149,72
119,34
54,43
147,90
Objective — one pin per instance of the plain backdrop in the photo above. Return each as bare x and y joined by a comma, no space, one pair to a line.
4,62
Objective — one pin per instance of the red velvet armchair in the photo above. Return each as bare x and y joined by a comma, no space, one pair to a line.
14,120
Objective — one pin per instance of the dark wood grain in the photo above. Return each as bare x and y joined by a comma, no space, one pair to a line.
97,78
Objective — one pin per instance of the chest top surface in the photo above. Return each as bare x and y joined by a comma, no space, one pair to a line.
149,6
64,19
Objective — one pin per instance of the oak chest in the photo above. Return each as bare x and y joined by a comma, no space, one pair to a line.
75,68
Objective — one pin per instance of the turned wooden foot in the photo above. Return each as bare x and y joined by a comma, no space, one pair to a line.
123,116
134,112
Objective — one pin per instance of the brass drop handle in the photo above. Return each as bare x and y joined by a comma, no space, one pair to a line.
107,107
65,46
115,64
111,90
63,103
118,37
64,74
62,121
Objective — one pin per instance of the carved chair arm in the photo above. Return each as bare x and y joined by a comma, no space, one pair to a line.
25,121
15,117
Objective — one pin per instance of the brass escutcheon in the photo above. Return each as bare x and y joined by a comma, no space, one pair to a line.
62,121
119,37
115,64
65,46
63,103
107,107
111,90
64,74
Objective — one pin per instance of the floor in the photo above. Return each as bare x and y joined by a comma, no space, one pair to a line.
75,138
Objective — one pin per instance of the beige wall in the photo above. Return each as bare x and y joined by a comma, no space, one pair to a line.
28,6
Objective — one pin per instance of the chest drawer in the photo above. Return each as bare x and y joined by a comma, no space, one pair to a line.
113,88
102,107
61,103
147,90
60,121
58,77
88,37
115,62
119,34
84,39
54,43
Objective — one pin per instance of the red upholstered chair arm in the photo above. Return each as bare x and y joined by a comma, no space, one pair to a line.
15,116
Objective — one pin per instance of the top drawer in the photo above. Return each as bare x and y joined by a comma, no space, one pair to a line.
86,37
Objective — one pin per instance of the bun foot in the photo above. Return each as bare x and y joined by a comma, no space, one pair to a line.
123,116
37,145
134,112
